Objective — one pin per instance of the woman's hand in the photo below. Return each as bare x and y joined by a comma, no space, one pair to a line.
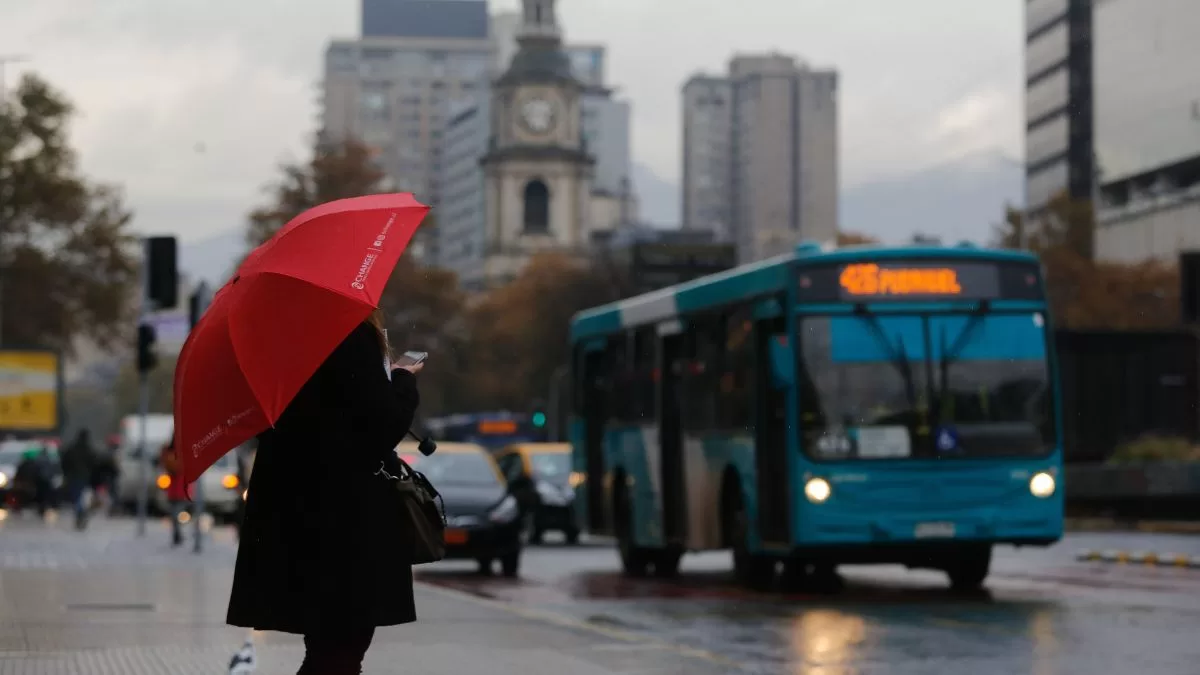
413,368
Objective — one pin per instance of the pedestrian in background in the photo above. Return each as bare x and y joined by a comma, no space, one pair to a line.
78,460
326,559
177,494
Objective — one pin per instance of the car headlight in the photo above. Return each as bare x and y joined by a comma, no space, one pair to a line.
817,490
550,494
3,479
1042,485
506,511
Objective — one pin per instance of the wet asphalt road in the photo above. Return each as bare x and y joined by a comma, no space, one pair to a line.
1043,613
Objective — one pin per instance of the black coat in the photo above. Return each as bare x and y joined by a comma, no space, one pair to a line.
319,548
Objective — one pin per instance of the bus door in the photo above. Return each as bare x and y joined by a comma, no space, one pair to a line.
594,383
770,411
670,431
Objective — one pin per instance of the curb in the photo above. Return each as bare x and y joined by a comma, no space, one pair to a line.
1152,526
1149,559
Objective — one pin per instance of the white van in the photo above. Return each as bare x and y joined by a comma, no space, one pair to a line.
130,479
222,489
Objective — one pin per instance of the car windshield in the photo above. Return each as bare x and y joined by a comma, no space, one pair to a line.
457,468
551,466
895,386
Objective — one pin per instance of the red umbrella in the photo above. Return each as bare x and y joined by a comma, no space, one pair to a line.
288,306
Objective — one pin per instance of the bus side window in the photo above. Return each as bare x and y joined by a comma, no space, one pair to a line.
617,379
705,345
737,378
644,394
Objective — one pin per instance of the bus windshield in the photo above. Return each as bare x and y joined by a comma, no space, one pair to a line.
892,386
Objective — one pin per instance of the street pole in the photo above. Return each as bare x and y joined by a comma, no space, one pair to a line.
200,303
143,453
143,496
555,407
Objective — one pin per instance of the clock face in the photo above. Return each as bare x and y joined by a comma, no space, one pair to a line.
537,115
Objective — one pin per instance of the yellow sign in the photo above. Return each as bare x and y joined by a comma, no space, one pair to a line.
29,390
870,279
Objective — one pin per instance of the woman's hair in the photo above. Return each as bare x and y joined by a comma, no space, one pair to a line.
376,321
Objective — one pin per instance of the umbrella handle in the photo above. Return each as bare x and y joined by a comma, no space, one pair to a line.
426,445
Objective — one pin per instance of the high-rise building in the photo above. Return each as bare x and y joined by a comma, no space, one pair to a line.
707,155
781,185
1058,101
1146,91
462,220
458,19
394,94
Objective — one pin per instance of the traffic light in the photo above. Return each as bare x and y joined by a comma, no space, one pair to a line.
539,419
162,277
146,358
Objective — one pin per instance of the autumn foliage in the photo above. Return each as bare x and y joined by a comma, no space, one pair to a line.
1086,293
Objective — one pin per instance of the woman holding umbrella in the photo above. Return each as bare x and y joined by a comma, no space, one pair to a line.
292,352
318,554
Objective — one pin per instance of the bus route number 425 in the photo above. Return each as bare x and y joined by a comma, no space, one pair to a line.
934,530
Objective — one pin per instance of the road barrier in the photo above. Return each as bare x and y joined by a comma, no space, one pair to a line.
1149,559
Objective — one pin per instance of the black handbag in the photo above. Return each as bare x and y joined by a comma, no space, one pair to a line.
424,512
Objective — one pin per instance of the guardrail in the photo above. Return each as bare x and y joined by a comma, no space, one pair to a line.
1141,558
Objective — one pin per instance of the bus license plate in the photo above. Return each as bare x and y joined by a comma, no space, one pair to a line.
934,530
456,536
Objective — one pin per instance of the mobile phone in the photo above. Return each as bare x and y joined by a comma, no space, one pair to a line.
411,358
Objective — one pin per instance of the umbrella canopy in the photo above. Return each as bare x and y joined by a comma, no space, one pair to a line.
288,306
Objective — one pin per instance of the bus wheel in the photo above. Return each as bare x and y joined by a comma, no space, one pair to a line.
969,567
635,561
753,571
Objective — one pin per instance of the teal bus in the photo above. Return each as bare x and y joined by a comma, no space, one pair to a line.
829,406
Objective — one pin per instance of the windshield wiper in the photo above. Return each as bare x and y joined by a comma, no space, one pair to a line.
950,355
896,353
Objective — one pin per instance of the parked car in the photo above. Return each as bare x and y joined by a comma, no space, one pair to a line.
482,519
540,477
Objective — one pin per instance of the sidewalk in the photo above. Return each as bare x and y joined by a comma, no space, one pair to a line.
105,602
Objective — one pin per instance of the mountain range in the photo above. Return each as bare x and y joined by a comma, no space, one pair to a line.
958,200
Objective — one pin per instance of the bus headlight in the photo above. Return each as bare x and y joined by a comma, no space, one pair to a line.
817,490
1042,485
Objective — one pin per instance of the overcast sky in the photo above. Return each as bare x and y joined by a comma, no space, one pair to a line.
191,104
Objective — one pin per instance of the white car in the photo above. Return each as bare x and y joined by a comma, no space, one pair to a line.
222,488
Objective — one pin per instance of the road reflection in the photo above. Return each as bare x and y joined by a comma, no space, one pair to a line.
825,641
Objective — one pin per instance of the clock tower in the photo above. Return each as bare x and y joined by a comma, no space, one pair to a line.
537,170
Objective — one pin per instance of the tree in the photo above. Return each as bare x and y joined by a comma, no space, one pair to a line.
520,331
425,311
855,239
336,171
68,263
1085,293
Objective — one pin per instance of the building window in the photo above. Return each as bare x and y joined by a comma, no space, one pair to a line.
537,207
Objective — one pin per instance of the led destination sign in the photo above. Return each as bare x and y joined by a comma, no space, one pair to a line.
871,279
919,280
